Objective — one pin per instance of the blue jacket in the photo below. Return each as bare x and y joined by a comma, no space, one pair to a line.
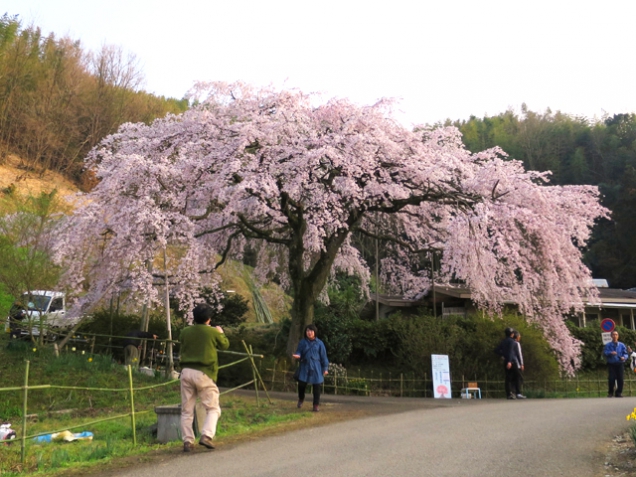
313,361
621,352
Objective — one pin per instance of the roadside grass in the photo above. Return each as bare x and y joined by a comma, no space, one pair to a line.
51,410
113,439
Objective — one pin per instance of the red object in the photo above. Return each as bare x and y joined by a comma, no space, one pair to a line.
443,390
608,325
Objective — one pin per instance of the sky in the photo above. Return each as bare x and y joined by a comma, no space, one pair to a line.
437,59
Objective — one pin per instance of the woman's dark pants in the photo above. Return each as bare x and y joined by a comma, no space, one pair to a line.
302,386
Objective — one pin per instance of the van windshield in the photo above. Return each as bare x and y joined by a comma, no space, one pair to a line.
37,302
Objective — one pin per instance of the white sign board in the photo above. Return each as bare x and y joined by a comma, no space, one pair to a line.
441,376
606,337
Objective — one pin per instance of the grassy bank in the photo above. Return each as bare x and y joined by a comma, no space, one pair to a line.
51,410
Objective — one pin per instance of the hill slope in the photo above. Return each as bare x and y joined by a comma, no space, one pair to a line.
25,181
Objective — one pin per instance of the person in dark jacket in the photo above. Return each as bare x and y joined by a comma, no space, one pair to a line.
518,366
132,343
314,365
616,354
507,350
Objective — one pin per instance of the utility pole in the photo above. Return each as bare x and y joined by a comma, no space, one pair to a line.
433,285
169,325
377,281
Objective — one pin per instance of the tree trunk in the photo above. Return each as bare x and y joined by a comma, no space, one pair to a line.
308,285
302,315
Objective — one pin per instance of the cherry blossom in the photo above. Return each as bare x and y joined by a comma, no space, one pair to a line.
293,179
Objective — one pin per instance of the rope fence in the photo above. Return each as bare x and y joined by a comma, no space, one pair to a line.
130,390
355,382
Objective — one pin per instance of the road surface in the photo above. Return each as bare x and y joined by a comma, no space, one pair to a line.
542,437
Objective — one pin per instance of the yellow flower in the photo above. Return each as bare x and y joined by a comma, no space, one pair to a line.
73,348
35,349
90,360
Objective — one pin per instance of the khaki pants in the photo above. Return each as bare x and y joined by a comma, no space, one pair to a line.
195,384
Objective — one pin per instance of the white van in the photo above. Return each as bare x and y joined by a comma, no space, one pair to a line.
43,308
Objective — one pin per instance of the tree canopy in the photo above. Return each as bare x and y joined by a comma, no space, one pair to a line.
293,180
577,151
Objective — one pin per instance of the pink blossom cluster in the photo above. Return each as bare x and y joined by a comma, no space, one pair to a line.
294,180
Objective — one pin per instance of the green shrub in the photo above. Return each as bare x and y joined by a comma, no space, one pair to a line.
107,324
592,350
234,308
406,343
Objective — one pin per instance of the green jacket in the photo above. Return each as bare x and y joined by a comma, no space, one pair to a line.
198,348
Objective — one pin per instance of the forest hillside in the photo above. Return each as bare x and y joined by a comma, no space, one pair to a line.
57,101
578,150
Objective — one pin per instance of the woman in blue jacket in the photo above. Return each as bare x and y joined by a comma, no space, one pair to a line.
313,365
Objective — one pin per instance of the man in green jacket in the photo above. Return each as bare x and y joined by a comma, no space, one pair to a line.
199,369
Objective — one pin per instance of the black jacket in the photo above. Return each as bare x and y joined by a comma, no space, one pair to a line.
508,350
134,338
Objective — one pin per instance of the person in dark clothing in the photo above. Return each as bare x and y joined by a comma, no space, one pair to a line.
314,365
616,354
132,343
518,366
507,351
17,314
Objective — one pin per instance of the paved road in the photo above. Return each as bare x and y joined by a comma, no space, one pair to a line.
473,438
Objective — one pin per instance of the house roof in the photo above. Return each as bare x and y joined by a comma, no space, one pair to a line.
609,297
396,301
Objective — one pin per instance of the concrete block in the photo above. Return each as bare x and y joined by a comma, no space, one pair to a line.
169,422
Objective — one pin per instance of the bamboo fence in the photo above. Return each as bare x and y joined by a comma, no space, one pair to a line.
354,382
130,390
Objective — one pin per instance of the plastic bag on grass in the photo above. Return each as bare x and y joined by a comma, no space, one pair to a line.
64,436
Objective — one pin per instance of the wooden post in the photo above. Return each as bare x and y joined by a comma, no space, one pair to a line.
401,385
274,374
425,387
132,405
255,369
254,376
24,413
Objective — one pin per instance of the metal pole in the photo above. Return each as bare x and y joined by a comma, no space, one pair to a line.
132,406
24,413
